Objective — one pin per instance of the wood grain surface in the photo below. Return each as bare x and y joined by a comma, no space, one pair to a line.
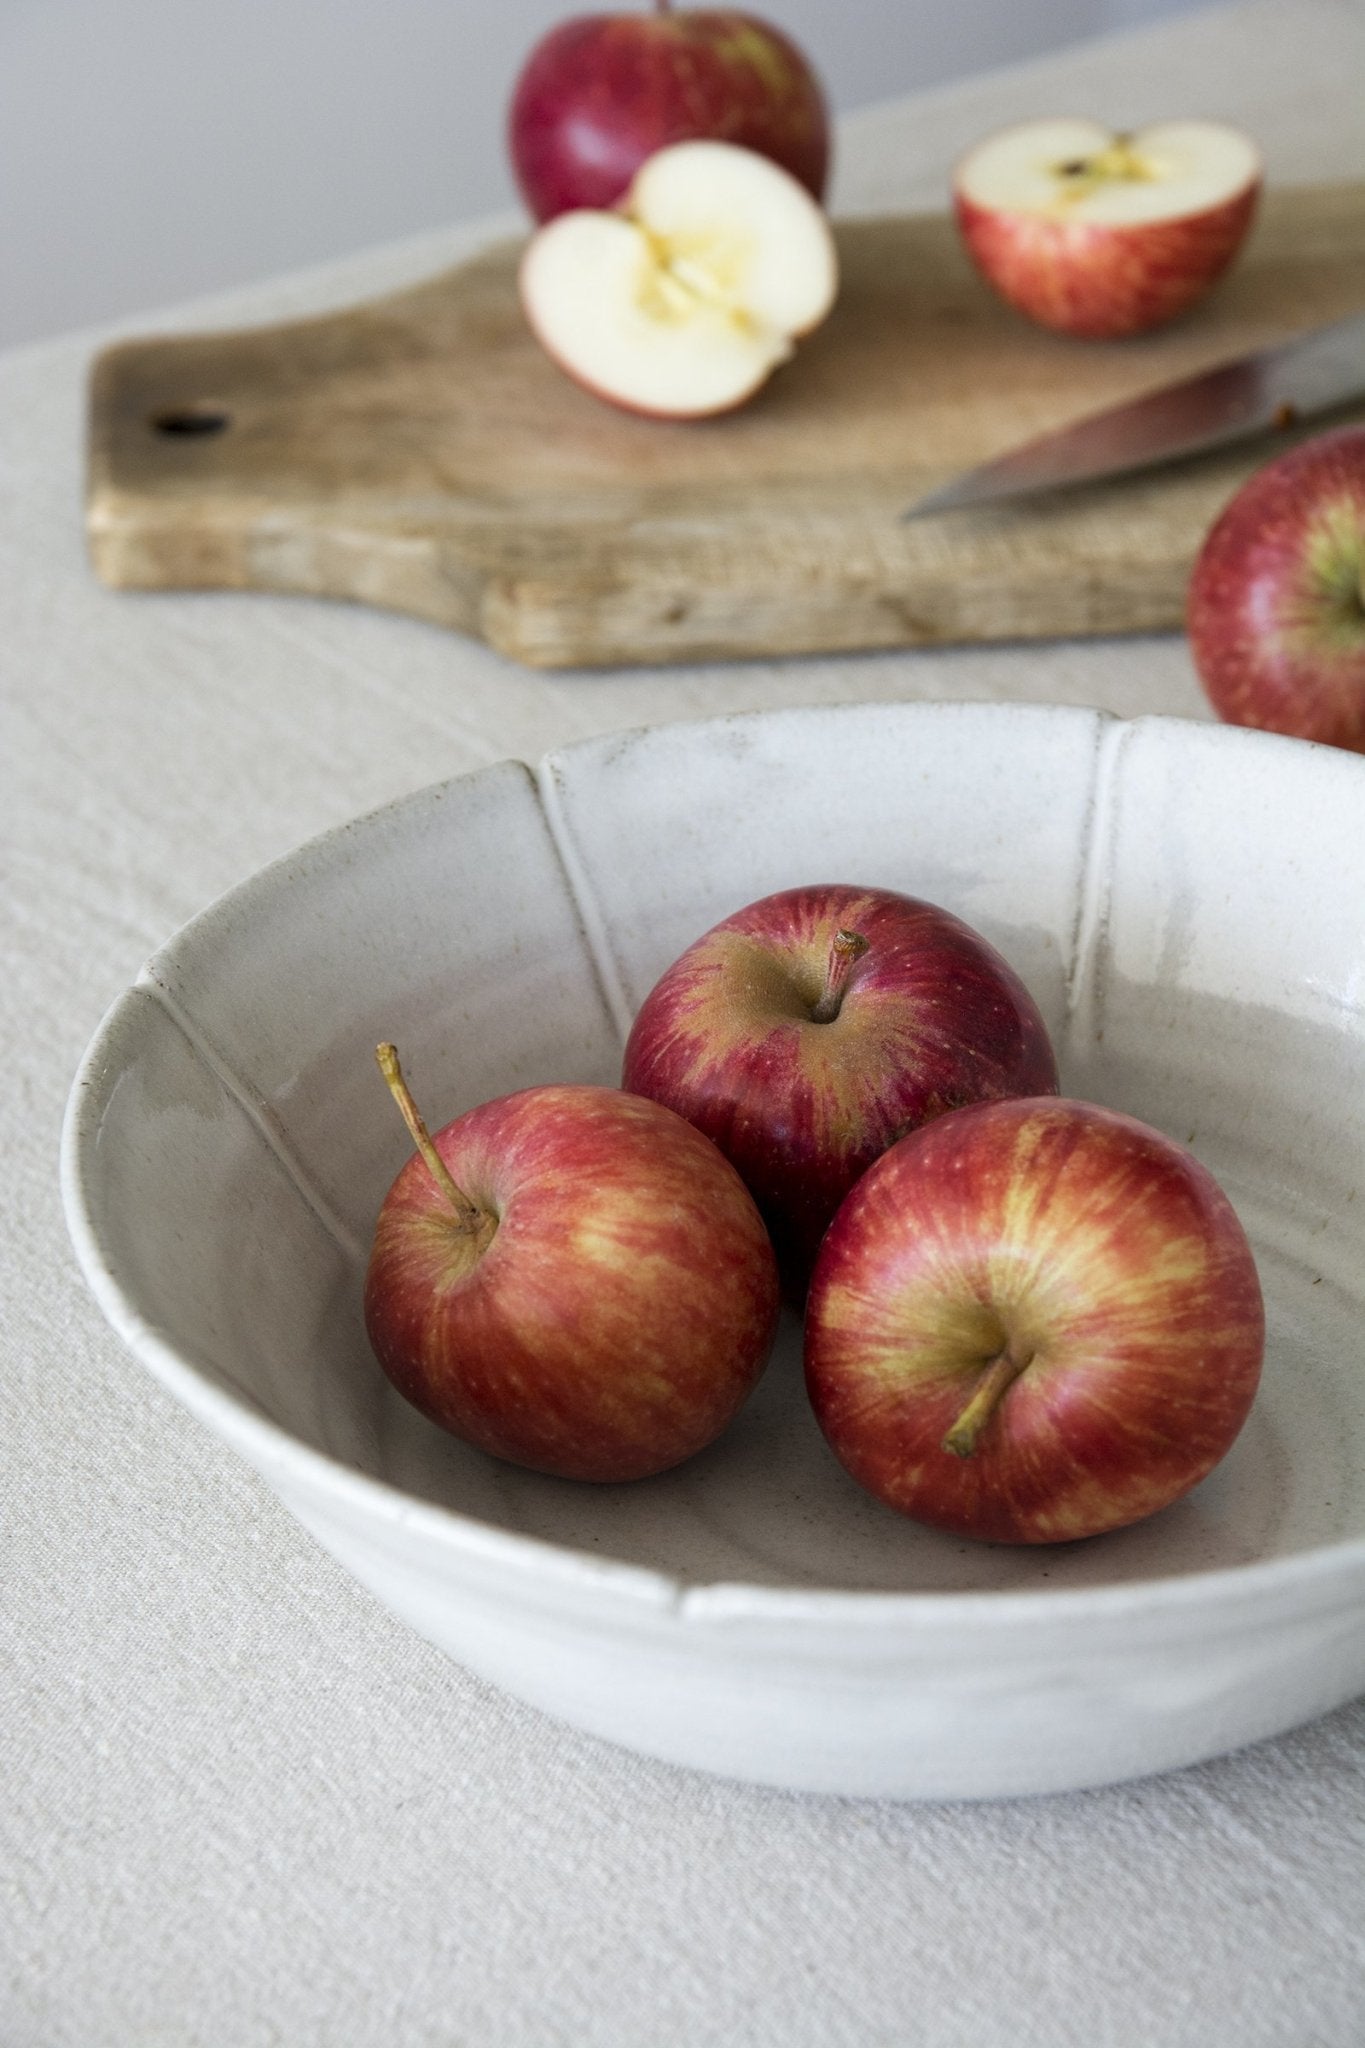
421,453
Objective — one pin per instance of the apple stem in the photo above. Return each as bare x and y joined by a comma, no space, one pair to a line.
1001,1373
845,948
469,1213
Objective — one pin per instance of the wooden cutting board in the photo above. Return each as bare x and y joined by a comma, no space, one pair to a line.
421,453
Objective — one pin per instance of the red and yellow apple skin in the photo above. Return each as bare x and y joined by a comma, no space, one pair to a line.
1099,281
1089,1264
610,1310
1276,609
931,1018
602,92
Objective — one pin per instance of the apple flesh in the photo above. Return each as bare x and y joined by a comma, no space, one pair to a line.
1102,235
1032,1322
601,93
684,302
1276,609
570,1278
806,1033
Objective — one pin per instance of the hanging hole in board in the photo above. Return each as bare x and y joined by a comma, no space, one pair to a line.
191,422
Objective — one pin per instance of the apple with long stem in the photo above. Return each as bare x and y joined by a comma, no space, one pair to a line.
1276,609
1032,1322
807,1032
1099,234
602,92
685,299
571,1278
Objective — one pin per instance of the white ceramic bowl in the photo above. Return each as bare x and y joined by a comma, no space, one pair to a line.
1187,903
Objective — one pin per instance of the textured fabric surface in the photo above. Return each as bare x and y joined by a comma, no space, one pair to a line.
240,1805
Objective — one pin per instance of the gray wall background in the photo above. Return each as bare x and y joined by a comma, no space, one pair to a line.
154,149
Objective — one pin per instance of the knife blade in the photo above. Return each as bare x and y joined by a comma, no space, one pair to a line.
1275,387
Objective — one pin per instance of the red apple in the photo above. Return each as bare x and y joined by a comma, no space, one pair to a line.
1277,599
684,300
602,92
1101,235
570,1278
1033,1321
807,1032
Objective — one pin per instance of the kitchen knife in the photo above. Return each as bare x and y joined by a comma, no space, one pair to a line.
1275,387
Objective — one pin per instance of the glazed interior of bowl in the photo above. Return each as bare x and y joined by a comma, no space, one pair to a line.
1185,903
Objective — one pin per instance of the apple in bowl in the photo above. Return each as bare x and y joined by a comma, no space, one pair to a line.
570,1278
808,1031
1101,235
1033,1321
684,300
602,92
1276,607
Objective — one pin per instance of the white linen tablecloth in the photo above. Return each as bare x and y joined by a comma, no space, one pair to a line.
243,1806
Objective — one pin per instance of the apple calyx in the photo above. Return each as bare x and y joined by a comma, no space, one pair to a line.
1000,1374
845,949
470,1218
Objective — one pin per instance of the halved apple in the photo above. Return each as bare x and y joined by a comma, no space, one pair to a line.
682,302
1098,234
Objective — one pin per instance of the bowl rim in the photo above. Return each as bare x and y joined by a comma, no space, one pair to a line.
1326,1570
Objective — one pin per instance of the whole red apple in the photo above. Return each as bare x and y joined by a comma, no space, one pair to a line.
1098,234
602,92
1033,1321
570,1278
806,1033
1276,607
